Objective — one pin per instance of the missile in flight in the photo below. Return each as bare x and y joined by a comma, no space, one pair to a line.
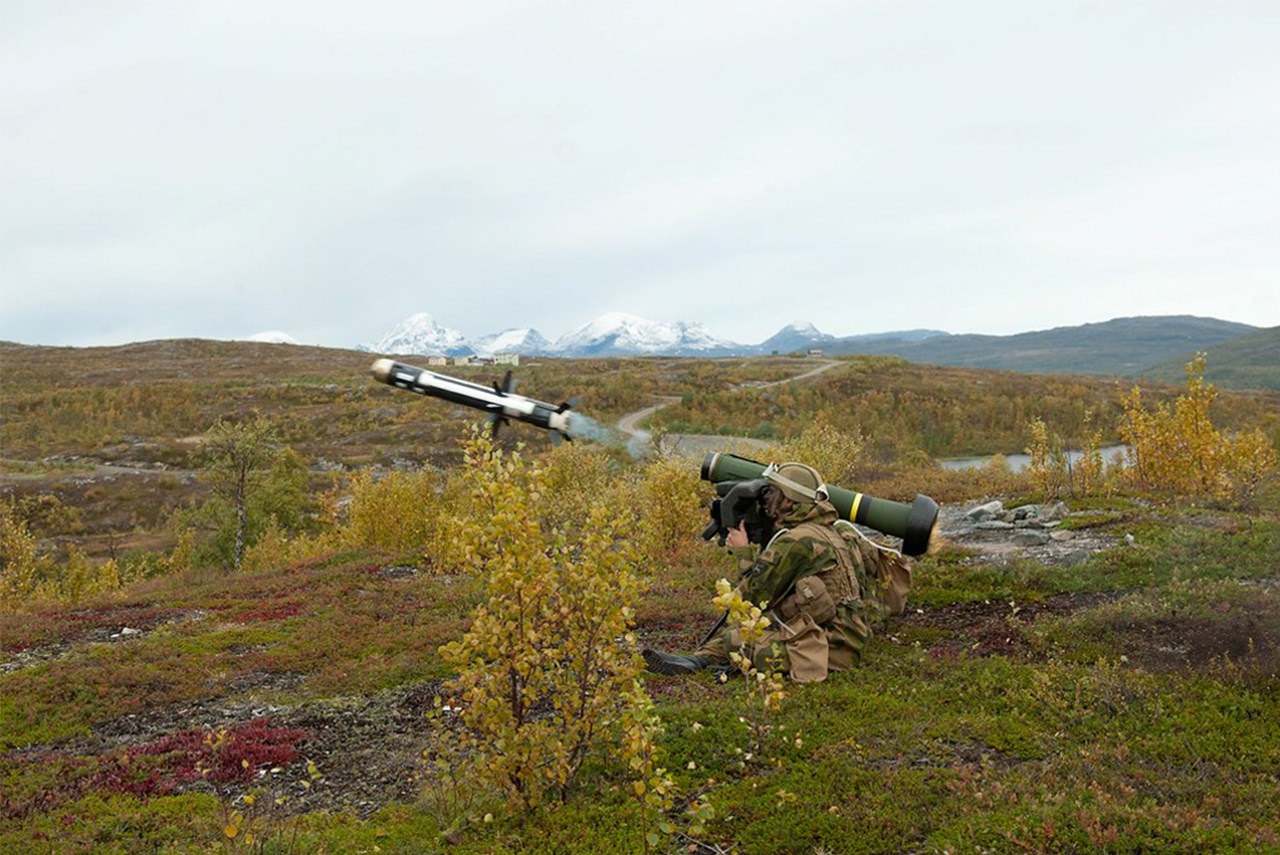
500,401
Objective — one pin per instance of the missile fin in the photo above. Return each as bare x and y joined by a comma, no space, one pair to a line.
508,384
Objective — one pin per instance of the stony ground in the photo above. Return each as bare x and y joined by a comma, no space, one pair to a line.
1035,531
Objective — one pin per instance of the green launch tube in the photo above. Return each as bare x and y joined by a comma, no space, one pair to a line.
913,523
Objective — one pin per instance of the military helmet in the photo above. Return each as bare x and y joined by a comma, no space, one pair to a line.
798,482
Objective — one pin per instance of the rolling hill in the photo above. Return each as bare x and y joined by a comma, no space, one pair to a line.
1123,346
1250,361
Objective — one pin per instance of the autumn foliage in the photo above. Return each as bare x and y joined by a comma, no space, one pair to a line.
1175,450
548,669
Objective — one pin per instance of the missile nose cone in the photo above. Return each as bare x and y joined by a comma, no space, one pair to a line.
381,370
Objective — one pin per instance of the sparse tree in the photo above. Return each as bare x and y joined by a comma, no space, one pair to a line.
238,456
20,566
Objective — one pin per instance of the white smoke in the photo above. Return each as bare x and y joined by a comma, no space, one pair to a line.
586,428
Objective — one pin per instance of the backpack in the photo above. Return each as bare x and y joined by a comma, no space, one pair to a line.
886,576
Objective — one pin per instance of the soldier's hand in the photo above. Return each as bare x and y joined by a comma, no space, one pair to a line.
737,536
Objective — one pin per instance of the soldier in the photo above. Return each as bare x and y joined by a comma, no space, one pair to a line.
809,577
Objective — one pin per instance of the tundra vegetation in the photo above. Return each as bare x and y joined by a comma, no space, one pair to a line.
253,602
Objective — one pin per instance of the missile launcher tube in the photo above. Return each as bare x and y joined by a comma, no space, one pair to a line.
913,523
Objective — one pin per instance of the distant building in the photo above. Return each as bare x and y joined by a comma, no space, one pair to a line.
506,359
462,360
437,360
813,351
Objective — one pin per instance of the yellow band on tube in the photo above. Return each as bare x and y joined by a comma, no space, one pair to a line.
853,509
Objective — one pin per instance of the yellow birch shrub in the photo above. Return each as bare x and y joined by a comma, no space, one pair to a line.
78,580
1045,466
1051,469
278,548
548,668
1250,460
833,452
651,787
20,567
453,547
576,475
1089,470
396,512
995,477
670,509
183,555
27,578
1176,449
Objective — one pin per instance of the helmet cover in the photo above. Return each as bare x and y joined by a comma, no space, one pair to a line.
796,481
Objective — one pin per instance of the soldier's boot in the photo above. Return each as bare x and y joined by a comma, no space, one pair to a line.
671,664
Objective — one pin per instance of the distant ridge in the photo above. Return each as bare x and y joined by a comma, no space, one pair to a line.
1250,361
1124,346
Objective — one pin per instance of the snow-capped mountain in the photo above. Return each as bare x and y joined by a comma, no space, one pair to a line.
612,334
620,334
797,335
519,340
420,334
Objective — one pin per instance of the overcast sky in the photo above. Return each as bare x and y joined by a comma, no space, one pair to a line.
216,169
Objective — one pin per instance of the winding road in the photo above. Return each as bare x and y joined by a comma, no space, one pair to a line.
697,445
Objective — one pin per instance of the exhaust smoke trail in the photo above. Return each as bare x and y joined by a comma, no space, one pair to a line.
591,430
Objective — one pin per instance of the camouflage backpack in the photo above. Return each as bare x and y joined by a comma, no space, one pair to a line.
885,576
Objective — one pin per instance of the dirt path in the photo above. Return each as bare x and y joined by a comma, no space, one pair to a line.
813,372
630,423
696,445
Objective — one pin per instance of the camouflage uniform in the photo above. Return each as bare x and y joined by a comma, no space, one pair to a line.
810,638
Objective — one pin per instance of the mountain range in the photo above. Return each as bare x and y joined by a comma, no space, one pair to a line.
612,334
1241,356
